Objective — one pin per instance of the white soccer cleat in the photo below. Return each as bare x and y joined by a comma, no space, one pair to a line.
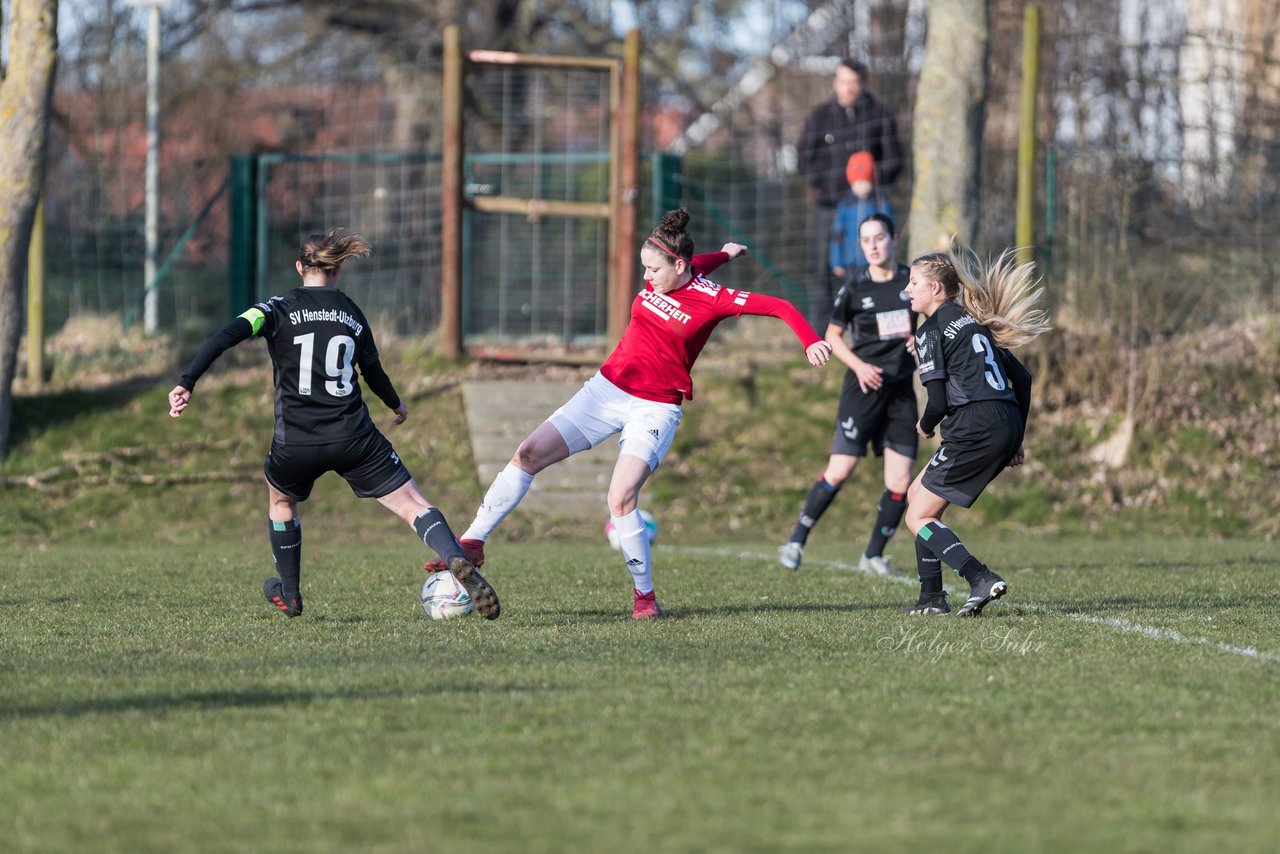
790,554
878,565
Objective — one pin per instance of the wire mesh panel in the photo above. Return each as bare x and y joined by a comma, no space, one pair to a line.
541,135
392,200
1163,125
539,278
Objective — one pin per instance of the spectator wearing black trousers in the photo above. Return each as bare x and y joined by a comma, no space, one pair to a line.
850,120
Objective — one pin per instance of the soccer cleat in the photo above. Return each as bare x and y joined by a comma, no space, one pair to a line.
930,603
273,589
472,549
789,555
878,565
989,586
646,606
485,599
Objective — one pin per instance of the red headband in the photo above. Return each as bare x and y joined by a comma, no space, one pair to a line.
665,249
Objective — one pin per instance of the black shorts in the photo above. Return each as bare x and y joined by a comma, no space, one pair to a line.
885,417
978,440
368,463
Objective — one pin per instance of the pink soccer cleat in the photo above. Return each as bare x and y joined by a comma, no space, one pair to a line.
646,606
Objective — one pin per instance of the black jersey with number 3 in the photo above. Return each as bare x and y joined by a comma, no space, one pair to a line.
880,319
952,345
317,338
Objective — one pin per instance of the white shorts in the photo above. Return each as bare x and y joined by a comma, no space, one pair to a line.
600,409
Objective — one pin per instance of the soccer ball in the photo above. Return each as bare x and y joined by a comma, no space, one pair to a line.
650,523
443,596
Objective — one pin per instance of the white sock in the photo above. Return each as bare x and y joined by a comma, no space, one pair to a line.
504,495
634,538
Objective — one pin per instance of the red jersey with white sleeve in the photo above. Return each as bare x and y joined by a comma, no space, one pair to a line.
668,331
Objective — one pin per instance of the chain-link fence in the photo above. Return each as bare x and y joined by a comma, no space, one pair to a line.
1157,183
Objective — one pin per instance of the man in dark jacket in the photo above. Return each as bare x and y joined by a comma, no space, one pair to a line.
851,120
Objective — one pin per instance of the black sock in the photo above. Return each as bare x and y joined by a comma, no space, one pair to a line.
286,551
821,494
945,545
888,514
435,534
929,570
971,569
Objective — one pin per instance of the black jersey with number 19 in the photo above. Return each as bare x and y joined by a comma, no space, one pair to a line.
317,337
954,346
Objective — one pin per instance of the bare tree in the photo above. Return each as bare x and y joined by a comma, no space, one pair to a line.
26,87
948,119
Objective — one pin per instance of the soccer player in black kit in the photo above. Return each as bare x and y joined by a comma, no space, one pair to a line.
878,401
979,393
317,337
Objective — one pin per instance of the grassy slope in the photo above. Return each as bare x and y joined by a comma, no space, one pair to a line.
753,440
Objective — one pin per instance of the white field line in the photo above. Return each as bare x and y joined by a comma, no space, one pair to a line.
1120,623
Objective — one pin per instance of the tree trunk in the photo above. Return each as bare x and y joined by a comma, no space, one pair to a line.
25,92
947,125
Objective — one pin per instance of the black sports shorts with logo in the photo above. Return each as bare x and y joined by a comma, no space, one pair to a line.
885,417
978,440
368,463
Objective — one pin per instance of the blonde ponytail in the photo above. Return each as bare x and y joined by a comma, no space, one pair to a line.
1001,295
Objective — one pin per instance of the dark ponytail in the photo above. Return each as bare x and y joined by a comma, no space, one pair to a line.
671,237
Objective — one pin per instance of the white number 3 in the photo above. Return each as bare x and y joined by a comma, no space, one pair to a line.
994,376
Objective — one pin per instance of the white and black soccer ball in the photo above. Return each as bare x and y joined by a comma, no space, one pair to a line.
650,524
443,596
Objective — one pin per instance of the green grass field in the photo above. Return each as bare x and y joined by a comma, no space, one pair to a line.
1124,697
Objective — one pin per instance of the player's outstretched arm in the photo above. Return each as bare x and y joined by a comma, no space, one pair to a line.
763,304
239,329
706,264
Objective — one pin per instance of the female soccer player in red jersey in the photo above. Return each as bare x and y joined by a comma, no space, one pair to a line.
979,394
317,337
638,392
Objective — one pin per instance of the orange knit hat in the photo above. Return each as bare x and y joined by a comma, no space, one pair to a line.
861,167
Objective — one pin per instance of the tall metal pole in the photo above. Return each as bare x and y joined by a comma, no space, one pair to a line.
151,301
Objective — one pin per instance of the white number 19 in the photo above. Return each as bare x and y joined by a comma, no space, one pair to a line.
337,364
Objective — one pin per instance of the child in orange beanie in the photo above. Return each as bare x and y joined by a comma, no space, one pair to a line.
863,200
